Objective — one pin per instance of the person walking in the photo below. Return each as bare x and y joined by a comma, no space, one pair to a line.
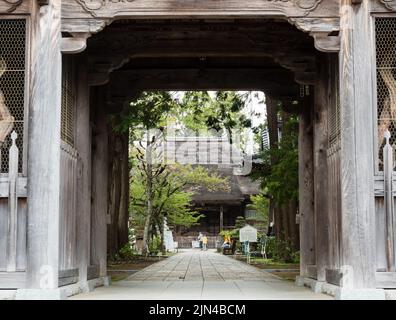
200,237
205,242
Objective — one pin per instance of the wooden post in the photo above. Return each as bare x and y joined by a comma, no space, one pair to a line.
306,188
83,146
13,206
320,167
389,202
100,184
357,141
44,149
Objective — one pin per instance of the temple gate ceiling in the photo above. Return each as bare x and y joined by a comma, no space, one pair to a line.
211,73
319,18
187,54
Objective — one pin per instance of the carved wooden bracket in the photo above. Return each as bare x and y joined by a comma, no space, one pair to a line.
75,44
324,31
84,25
325,42
12,5
389,4
18,6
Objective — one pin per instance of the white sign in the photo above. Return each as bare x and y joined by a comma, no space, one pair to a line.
248,233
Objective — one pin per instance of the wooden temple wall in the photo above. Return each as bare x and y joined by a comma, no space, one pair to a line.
15,61
320,203
69,172
333,154
45,226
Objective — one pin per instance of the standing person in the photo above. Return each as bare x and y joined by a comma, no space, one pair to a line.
200,237
205,242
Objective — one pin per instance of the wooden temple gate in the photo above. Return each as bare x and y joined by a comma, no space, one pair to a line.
63,64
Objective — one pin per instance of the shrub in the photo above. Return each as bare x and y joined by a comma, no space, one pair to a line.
282,251
154,246
126,252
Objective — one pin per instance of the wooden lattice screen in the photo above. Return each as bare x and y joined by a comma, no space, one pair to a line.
334,119
386,81
68,101
12,87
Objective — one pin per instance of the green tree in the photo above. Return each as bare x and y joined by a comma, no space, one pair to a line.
278,174
170,192
160,186
280,179
221,112
260,203
148,111
281,182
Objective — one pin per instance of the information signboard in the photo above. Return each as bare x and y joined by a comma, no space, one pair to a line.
248,233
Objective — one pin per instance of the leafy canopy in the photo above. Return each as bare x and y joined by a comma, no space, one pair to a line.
280,179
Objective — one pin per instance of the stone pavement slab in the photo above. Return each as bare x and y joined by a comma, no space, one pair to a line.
202,275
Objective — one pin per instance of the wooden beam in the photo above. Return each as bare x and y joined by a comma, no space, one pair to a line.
67,277
12,280
385,280
278,81
165,9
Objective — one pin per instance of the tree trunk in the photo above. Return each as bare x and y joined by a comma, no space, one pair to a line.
118,232
149,192
123,216
272,119
162,232
115,152
293,226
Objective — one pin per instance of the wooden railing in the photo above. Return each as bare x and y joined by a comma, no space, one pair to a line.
12,187
389,203
185,242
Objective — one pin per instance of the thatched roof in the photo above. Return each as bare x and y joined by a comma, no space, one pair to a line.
242,187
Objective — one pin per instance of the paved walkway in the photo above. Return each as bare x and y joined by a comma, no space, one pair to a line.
194,275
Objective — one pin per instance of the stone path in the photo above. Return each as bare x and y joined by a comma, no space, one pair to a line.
193,274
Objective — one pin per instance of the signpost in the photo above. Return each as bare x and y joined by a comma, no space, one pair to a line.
246,235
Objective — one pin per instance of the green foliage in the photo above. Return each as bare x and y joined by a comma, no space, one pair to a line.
240,222
280,180
127,252
159,190
232,234
154,246
260,203
173,190
195,178
223,112
282,251
149,110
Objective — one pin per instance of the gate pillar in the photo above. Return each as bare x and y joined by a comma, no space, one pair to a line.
357,163
44,155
